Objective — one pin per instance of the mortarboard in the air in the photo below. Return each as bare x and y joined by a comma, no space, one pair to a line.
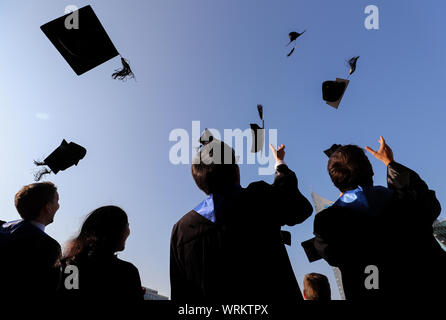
332,149
352,64
310,250
286,237
86,45
293,36
65,156
258,133
333,91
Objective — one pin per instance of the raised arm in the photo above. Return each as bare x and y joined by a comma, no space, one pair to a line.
290,204
407,184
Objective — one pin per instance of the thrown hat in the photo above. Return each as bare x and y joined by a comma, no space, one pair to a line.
65,156
352,64
86,45
333,91
258,133
293,36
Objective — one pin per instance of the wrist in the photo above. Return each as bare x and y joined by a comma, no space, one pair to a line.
279,162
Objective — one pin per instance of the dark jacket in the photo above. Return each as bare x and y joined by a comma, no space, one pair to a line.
101,278
241,256
393,232
30,262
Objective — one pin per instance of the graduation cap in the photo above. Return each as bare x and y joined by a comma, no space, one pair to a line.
86,46
332,149
293,36
286,237
258,133
310,250
352,64
206,137
213,150
65,156
333,91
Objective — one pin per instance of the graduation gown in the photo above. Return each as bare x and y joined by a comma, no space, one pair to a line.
30,262
240,257
102,278
393,232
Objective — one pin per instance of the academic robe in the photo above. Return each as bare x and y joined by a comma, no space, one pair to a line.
241,256
393,232
101,278
30,262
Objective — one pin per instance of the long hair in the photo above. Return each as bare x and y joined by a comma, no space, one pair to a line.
100,234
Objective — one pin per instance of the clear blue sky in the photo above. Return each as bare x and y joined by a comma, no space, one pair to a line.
214,61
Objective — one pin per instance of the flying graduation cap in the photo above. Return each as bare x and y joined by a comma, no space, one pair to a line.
333,91
65,156
352,64
293,36
258,134
286,237
332,149
86,45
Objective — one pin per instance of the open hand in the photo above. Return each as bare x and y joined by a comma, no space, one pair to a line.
279,154
385,153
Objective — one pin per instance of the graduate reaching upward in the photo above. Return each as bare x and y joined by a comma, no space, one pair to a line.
229,247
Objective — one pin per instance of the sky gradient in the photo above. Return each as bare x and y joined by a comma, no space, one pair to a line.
213,62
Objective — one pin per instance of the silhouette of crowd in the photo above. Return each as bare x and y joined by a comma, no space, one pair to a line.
230,247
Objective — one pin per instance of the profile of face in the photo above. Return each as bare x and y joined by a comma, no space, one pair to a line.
50,209
125,235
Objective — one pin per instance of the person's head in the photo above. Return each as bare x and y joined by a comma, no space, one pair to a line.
104,232
316,287
349,168
214,168
37,202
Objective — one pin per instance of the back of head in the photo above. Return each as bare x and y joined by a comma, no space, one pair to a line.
316,287
214,168
30,200
101,233
349,168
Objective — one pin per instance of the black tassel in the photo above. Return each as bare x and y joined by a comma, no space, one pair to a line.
124,72
38,175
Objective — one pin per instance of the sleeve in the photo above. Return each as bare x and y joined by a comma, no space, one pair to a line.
290,205
336,239
324,245
48,266
136,293
178,282
410,188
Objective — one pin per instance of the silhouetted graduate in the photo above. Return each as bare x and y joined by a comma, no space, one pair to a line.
258,133
293,36
65,156
235,234
86,47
